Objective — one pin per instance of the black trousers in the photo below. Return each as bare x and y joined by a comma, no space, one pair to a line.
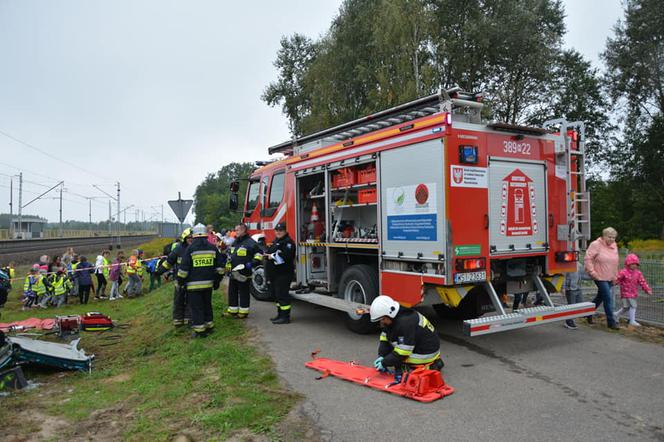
201,308
280,287
181,309
84,293
238,294
101,285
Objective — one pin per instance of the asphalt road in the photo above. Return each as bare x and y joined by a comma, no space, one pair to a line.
543,383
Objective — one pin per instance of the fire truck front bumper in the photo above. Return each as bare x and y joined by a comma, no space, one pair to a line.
526,317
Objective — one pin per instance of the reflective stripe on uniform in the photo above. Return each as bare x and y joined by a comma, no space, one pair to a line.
199,285
258,256
198,328
232,309
424,322
422,359
209,325
383,337
220,270
182,273
166,265
404,350
285,307
243,311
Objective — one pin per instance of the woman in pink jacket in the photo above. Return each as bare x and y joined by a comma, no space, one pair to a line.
601,264
629,279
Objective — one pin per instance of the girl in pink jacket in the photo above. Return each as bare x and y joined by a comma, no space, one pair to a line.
629,279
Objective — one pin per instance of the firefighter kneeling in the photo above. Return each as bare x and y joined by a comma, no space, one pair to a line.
407,338
200,272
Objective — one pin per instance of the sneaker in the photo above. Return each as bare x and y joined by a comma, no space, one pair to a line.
120,297
570,325
634,324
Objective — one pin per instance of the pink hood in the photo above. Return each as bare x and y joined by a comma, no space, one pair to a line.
631,259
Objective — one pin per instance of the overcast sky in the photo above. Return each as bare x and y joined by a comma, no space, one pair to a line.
156,94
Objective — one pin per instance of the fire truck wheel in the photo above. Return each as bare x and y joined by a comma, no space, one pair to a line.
473,305
359,283
259,286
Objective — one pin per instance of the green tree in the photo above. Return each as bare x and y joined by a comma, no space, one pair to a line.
212,195
294,58
634,58
575,93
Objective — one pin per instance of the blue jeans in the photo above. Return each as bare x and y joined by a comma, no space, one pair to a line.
605,296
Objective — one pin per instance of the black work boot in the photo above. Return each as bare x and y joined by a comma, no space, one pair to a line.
284,317
278,315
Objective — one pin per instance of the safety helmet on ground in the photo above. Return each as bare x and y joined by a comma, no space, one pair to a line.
632,259
383,306
185,233
199,230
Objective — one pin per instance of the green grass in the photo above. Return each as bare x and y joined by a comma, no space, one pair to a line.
155,381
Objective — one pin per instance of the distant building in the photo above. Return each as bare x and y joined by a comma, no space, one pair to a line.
31,226
169,230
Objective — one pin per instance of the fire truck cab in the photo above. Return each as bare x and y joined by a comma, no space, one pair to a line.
428,204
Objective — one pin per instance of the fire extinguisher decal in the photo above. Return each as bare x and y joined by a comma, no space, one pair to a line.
518,211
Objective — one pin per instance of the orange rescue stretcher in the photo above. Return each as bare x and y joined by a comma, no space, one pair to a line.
420,384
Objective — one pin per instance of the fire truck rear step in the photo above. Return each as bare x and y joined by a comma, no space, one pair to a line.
526,317
330,302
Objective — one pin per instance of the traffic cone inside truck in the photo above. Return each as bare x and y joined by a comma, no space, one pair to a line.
428,204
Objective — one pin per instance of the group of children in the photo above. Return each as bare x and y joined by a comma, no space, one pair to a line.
71,276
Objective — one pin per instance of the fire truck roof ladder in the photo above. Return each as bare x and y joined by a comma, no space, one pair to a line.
526,317
578,202
443,101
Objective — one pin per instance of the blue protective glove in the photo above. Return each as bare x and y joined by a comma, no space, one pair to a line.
397,378
378,364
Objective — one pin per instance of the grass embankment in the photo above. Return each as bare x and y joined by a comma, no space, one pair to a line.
150,382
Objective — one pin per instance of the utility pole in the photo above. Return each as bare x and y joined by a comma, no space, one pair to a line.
90,213
11,197
20,204
61,185
110,216
118,239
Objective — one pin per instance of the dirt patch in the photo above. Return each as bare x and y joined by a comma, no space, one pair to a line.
298,427
103,425
124,377
646,333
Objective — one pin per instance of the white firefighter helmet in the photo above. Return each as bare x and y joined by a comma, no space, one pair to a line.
258,237
236,275
383,306
198,231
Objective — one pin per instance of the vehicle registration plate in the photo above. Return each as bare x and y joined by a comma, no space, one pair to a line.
460,278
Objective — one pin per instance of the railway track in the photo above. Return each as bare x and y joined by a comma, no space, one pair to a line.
26,250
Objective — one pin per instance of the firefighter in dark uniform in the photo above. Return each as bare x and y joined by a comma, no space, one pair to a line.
279,269
181,312
200,272
407,338
244,254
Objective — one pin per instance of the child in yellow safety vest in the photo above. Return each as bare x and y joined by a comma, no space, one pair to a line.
33,288
60,286
135,271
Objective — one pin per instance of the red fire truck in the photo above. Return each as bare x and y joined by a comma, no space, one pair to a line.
427,203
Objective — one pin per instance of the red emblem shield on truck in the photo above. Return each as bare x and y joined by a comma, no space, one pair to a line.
457,174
